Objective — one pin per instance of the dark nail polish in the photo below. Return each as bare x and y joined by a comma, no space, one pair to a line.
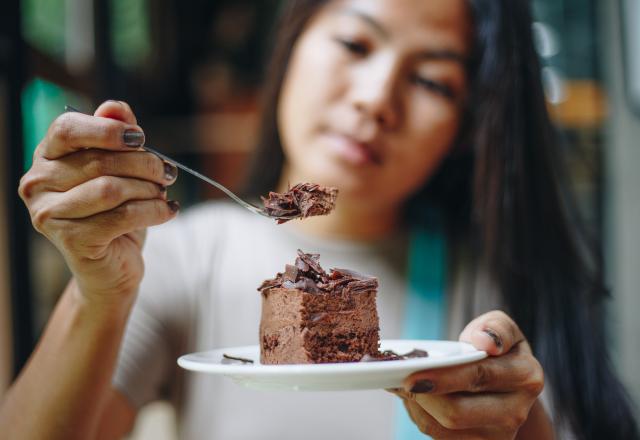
133,138
493,335
163,189
170,171
422,386
174,206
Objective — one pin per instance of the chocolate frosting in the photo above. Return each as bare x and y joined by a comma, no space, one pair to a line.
307,275
301,201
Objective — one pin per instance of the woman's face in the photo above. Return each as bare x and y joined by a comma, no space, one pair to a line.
371,102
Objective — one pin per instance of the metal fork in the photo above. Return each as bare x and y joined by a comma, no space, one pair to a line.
221,187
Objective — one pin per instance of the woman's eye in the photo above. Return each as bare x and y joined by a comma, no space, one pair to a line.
355,47
433,86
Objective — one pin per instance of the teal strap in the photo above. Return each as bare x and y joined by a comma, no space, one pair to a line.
425,305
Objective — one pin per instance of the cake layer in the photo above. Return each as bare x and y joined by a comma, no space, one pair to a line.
296,327
282,307
340,347
290,345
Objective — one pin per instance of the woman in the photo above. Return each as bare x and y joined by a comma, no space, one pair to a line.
401,104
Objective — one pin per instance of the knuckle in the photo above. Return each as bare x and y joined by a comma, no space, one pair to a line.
40,217
36,180
481,377
94,166
128,212
535,380
108,190
62,128
97,163
27,184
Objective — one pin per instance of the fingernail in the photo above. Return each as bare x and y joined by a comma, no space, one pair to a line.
170,171
422,386
113,100
493,335
163,189
174,206
133,138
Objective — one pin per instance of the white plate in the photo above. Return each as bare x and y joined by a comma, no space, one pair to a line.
332,377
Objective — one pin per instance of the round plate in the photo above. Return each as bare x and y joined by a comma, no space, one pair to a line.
331,377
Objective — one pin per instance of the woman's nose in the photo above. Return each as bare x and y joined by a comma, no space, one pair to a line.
375,93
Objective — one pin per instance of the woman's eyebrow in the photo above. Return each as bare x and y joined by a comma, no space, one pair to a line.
376,25
430,54
444,54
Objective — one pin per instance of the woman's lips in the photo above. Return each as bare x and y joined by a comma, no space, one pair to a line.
353,151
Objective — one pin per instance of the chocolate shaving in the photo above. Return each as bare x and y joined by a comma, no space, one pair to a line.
290,273
312,261
300,201
390,355
416,353
307,275
227,358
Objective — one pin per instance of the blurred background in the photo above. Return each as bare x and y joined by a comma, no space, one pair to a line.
192,72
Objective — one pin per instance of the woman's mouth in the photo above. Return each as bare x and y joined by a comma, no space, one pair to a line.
353,151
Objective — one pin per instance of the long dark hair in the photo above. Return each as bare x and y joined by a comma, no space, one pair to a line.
502,187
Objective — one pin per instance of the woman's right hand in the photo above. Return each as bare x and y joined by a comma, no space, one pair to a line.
93,192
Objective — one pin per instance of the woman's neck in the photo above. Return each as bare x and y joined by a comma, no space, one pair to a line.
355,224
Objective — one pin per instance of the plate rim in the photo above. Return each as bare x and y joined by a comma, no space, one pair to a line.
468,354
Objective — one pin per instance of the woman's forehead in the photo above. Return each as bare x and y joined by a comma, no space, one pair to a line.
439,22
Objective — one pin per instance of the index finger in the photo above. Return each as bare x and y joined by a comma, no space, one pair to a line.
515,370
76,131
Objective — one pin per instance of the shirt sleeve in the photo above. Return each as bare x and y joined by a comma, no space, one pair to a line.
159,322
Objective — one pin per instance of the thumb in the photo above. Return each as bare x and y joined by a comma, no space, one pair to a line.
494,332
119,110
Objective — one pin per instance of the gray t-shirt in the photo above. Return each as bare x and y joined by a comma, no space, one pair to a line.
199,293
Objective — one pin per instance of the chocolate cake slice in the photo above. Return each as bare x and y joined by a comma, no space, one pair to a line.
301,201
311,316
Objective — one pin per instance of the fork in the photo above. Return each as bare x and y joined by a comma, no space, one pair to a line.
221,187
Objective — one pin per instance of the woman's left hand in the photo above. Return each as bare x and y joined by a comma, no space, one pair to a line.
488,399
